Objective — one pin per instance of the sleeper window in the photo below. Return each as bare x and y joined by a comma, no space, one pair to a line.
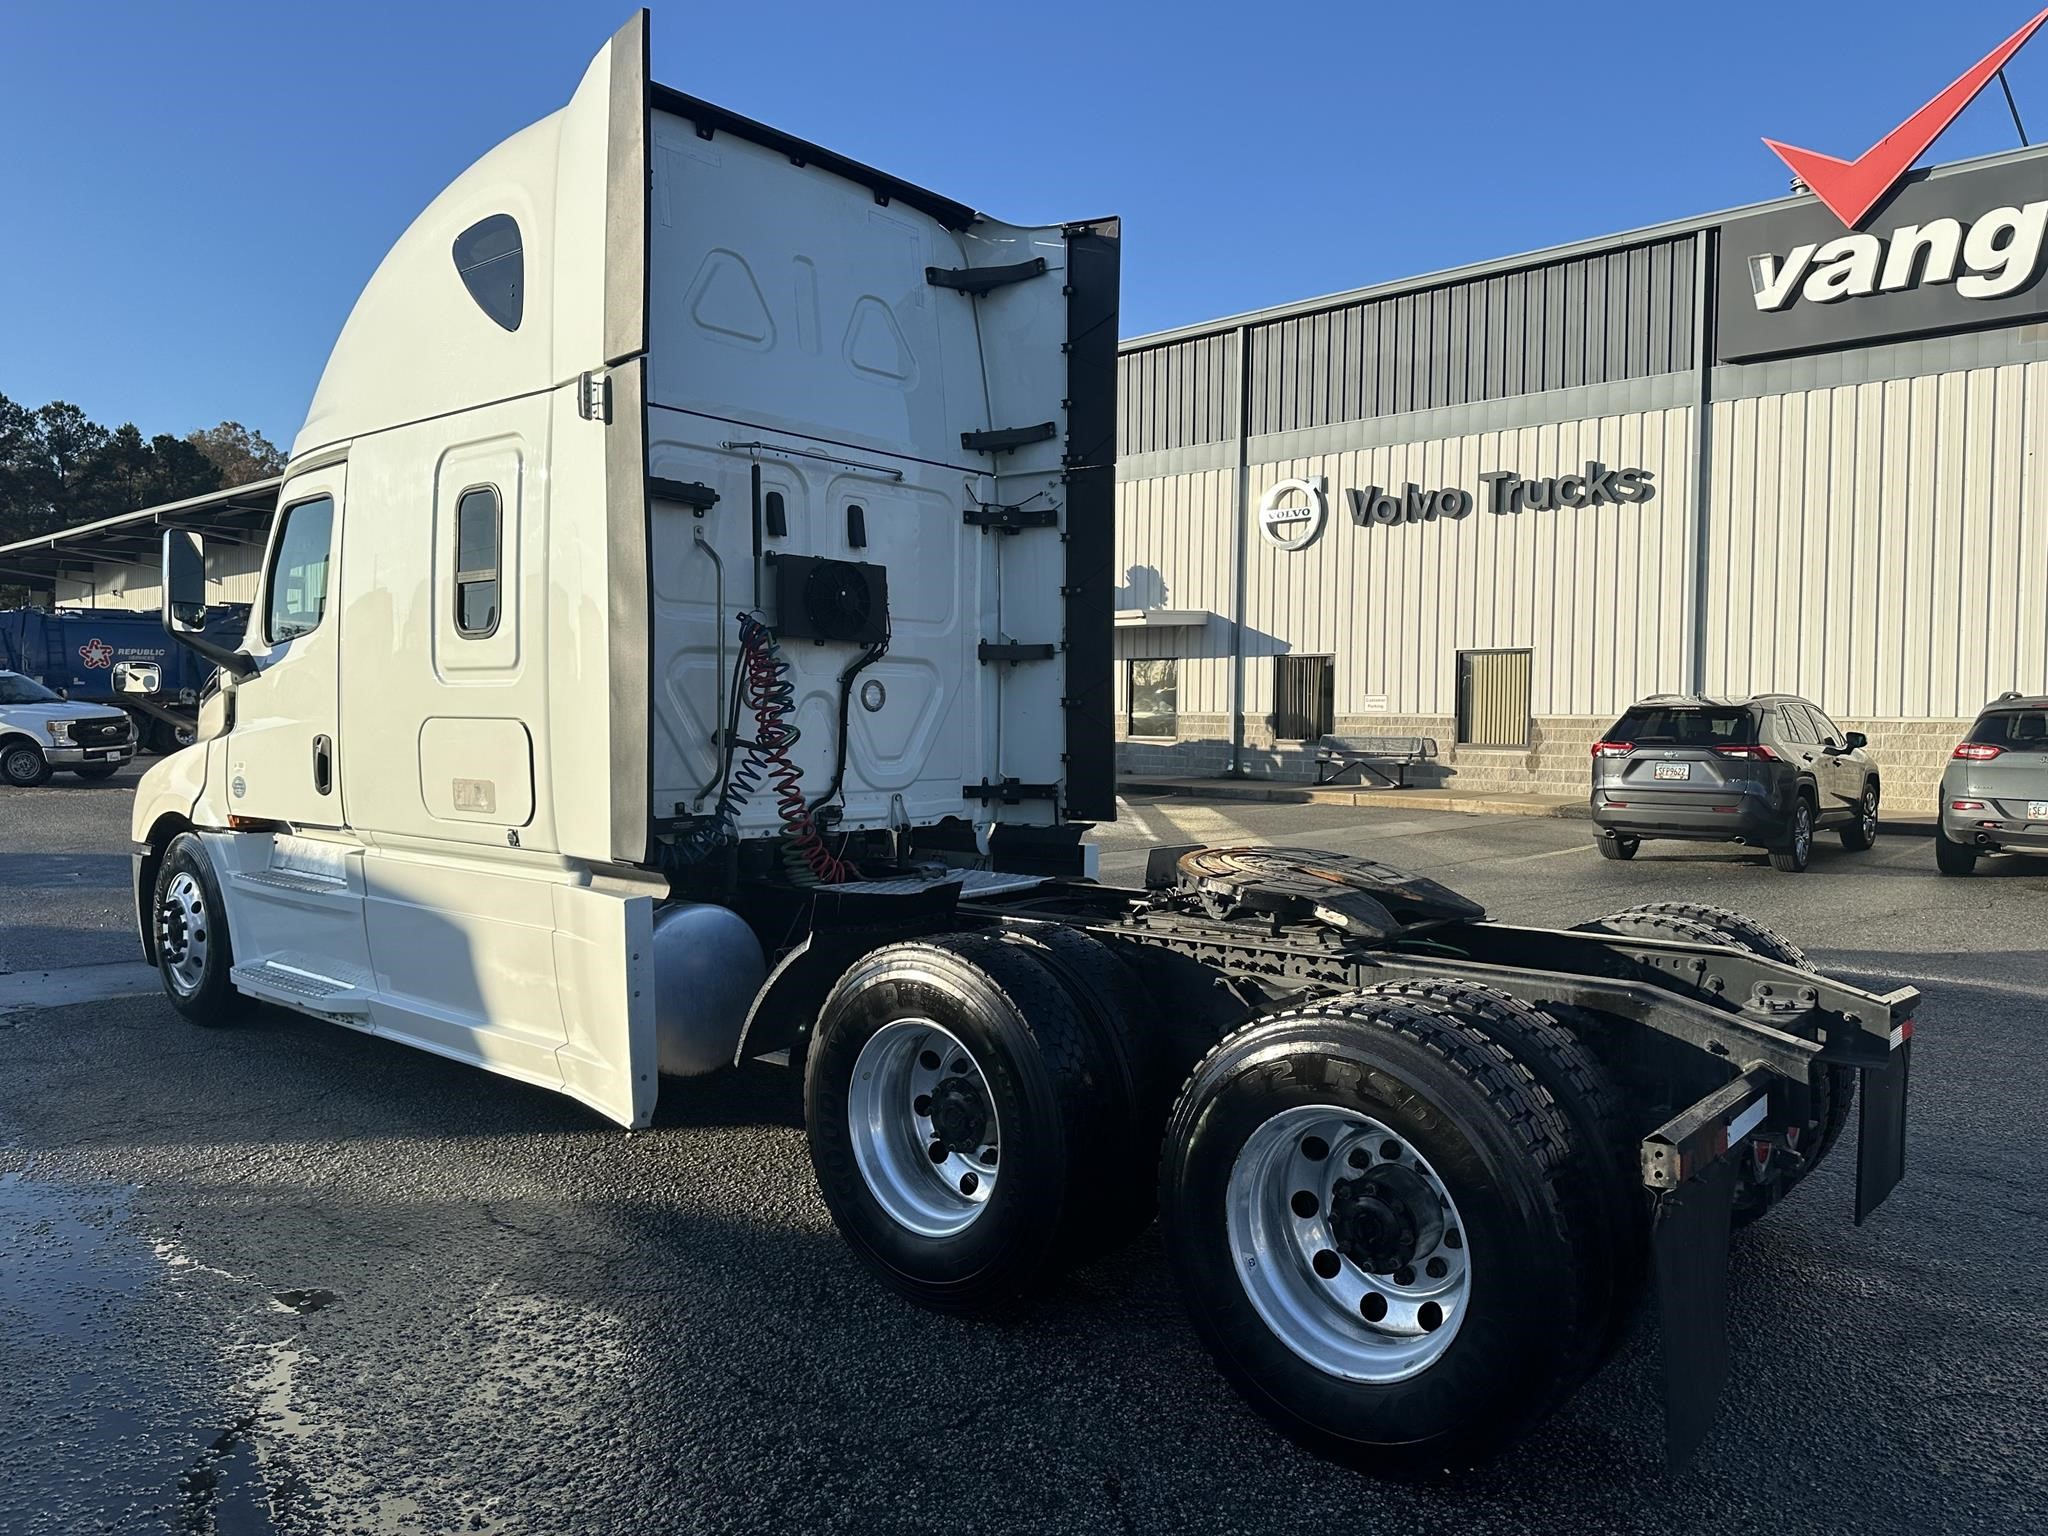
477,525
298,570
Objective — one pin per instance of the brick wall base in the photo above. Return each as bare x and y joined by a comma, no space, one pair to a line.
1911,754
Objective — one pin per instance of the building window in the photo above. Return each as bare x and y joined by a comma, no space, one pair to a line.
1152,696
476,562
1304,697
1493,698
298,569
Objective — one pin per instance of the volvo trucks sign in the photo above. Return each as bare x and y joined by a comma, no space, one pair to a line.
1292,512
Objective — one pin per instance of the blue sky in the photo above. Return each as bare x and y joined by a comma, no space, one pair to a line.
192,195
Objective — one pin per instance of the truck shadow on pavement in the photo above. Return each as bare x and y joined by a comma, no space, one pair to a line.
541,1321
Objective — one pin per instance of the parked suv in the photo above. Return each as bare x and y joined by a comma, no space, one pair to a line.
40,731
1768,771
1994,794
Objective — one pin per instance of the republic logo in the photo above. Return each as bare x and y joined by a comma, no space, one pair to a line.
1993,255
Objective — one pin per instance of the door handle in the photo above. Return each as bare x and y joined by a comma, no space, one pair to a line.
323,764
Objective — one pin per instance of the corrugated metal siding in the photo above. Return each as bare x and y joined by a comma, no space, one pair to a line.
1597,319
1493,698
1176,541
1878,547
1177,396
1600,594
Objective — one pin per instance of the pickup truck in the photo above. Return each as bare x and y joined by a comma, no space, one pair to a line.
42,731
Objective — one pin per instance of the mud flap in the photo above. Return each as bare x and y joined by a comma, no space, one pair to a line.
1689,1250
1881,1131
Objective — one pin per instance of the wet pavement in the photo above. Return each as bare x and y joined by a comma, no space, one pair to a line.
283,1277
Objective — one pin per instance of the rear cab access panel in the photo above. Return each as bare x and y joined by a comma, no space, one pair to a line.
841,365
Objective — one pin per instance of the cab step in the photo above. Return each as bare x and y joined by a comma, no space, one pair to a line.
273,981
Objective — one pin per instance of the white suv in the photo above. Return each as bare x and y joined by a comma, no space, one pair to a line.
40,731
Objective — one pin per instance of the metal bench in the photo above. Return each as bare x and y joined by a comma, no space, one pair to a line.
1339,756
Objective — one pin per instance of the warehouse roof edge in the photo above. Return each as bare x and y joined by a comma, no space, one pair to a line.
1665,230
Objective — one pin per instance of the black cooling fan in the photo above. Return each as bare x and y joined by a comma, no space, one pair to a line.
843,600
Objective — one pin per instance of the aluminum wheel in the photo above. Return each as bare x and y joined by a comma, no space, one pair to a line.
1870,815
1348,1244
1802,833
924,1128
181,930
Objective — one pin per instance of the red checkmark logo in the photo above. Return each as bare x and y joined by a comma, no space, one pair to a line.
1851,188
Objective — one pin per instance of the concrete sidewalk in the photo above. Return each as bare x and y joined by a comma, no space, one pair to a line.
1470,802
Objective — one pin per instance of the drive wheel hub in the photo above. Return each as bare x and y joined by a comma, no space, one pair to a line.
960,1115
1383,1219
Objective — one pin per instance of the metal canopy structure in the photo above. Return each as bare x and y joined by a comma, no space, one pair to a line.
240,514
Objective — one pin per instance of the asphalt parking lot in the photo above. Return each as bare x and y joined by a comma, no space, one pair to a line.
283,1277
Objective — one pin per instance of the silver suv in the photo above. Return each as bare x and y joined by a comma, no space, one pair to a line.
1769,771
1994,795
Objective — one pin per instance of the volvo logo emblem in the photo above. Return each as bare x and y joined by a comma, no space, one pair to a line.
1292,512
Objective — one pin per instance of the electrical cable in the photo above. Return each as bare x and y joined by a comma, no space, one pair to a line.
771,696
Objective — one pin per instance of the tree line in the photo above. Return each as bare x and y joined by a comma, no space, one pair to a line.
59,468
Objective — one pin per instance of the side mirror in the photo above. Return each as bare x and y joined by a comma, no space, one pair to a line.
1857,741
64,693
184,581
184,610
137,677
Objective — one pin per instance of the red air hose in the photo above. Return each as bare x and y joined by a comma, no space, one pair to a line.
768,692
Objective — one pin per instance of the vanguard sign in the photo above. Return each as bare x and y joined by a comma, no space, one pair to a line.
1292,513
1956,252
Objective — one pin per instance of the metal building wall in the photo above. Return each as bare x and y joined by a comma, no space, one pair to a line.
1177,395
1600,594
1176,548
1879,546
1592,319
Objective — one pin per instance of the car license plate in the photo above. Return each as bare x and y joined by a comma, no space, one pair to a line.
2037,810
1672,771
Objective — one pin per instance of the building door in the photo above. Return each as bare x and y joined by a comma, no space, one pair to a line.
1304,697
1493,698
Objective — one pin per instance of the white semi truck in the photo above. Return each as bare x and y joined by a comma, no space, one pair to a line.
684,639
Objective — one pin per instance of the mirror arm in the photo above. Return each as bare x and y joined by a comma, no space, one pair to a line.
237,664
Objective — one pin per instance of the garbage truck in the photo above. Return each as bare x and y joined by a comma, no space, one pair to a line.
684,642
117,656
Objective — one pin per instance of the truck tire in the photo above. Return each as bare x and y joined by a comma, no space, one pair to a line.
1317,1155
1792,858
1951,857
1860,835
1602,1186
194,951
1124,1021
959,1115
1833,1087
1744,932
23,765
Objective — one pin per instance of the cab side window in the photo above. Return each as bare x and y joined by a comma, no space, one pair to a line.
298,570
477,538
